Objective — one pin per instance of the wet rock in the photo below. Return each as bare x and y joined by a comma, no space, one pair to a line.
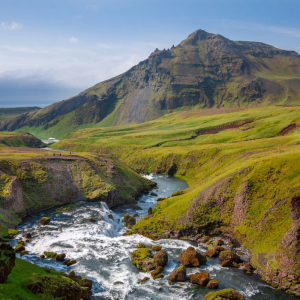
141,245
66,261
161,258
153,194
213,284
158,276
42,256
144,279
50,254
236,265
27,241
150,211
219,248
44,221
135,215
248,268
28,235
87,283
229,255
230,244
92,220
219,242
143,260
227,294
155,248
178,275
212,253
204,239
19,248
72,275
192,258
119,282
226,264
129,221
157,271
71,262
20,242
24,253
136,207
160,199
61,257
200,278
240,252
7,261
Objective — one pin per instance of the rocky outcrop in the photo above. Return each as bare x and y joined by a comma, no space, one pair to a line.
7,261
200,278
161,258
143,259
129,221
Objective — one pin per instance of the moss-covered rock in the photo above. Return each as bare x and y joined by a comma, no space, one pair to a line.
143,259
71,262
60,257
227,294
144,280
50,254
213,284
192,258
7,261
129,221
229,255
157,271
19,248
226,264
178,275
161,258
200,278
45,221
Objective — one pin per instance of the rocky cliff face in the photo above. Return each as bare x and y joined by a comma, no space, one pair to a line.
33,185
205,70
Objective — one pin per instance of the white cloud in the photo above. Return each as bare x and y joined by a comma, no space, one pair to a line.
11,26
73,40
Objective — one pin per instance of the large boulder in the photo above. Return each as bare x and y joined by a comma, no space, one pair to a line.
61,257
200,278
44,221
212,253
7,261
28,235
227,294
178,275
213,284
161,258
229,255
192,258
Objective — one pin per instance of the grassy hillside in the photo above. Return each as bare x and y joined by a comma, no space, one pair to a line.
7,112
19,139
242,167
204,71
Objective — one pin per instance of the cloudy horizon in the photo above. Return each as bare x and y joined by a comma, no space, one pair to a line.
52,51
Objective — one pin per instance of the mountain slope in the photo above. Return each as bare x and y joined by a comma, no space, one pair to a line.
203,71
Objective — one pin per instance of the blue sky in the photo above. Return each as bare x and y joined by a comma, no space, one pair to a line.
52,50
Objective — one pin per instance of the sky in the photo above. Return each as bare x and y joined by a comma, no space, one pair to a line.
52,50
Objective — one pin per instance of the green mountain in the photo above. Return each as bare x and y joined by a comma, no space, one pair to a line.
7,112
204,71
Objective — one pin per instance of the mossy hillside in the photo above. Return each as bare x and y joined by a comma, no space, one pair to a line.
25,274
251,163
19,139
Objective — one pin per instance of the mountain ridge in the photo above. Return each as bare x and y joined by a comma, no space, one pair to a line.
203,71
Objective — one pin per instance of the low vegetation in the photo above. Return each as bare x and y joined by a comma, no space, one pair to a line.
242,169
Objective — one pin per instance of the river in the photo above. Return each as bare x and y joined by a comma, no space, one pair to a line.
103,253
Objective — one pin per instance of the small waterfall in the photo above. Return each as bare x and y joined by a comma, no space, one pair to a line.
110,229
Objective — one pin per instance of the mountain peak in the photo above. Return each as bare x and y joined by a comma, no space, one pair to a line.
200,35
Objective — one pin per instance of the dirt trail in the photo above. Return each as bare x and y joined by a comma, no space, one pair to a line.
287,129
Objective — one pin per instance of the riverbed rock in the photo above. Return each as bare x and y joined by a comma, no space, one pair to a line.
61,257
135,215
161,258
129,221
20,242
87,283
227,294
153,194
160,199
248,268
178,275
42,256
155,248
204,239
136,207
92,220
28,235
158,276
219,248
150,211
143,260
229,255
7,261
71,262
226,264
192,258
212,253
44,221
157,271
213,284
19,248
144,279
200,278
50,254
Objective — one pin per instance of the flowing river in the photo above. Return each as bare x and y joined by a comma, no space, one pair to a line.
103,253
